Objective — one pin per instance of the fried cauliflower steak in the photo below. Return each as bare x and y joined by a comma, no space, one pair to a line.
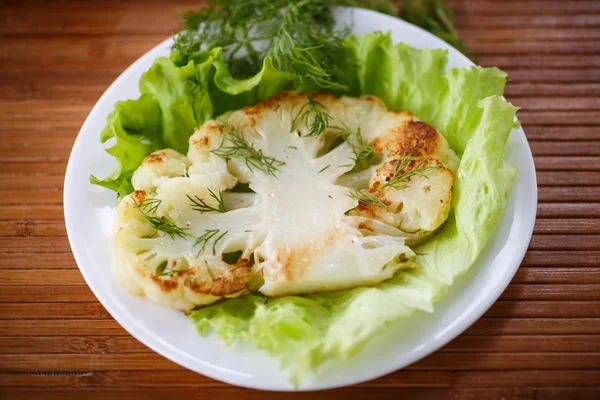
300,193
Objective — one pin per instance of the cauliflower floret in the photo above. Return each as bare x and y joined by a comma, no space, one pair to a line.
414,182
165,270
158,167
267,202
417,206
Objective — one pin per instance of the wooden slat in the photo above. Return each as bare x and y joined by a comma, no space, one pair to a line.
564,133
532,47
570,178
86,17
566,163
569,194
522,344
61,328
30,197
525,7
532,34
581,225
34,245
41,260
544,309
346,393
44,107
552,292
182,379
557,103
559,117
35,212
79,47
517,20
28,168
545,148
564,242
45,294
32,228
45,124
41,277
535,258
18,182
540,340
570,210
551,89
84,362
535,326
537,275
54,310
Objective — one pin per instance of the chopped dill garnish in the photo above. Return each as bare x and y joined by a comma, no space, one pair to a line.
239,148
164,270
365,197
313,116
400,178
203,240
200,205
324,168
361,149
149,206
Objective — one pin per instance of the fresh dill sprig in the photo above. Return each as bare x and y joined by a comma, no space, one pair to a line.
299,36
400,177
313,116
200,205
239,148
361,149
323,169
149,206
365,197
203,240
164,270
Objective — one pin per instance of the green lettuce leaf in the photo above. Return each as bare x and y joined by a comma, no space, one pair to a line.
464,105
175,99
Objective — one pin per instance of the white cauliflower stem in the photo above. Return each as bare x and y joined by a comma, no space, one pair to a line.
272,198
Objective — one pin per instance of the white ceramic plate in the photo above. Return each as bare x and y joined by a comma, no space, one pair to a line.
88,216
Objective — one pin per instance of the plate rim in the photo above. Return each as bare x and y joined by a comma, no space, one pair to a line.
122,318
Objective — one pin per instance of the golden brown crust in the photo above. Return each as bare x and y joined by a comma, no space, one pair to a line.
386,172
139,196
225,283
413,138
221,285
155,158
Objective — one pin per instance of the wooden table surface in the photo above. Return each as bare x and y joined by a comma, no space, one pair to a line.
540,340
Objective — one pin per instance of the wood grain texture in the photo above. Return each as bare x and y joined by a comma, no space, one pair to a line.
540,340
